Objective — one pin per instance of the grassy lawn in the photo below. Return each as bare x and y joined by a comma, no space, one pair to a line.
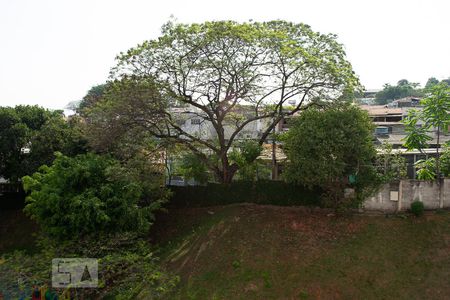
265,252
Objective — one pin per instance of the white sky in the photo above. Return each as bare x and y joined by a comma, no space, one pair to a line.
53,51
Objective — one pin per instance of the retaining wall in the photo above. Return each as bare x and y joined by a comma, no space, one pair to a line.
398,196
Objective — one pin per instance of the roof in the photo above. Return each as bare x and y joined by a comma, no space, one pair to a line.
407,99
372,90
381,110
406,151
389,124
400,139
266,153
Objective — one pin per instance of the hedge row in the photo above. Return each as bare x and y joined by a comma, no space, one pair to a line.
259,192
12,200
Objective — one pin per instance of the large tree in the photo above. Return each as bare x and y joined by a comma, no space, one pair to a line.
94,95
229,75
29,136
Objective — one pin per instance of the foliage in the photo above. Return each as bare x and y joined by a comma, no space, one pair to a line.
445,161
13,138
90,194
245,156
417,208
227,74
426,169
431,82
325,147
111,122
248,151
436,108
93,96
259,192
115,136
417,135
404,88
257,170
192,168
127,268
434,117
31,135
390,166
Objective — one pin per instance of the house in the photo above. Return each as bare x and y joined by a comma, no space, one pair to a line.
388,122
391,129
412,156
194,122
405,102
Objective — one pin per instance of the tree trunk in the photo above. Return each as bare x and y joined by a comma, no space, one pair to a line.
168,168
226,174
274,158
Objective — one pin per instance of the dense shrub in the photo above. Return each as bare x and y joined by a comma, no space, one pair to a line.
326,147
90,194
260,192
127,268
417,208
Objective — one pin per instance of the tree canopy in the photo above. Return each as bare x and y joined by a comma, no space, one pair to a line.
229,75
325,147
404,88
432,81
29,137
94,95
435,117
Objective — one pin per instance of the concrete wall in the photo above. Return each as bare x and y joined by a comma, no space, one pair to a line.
409,190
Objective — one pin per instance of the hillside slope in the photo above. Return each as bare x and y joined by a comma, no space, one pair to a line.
16,231
267,252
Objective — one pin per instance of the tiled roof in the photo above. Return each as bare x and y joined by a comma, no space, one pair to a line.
378,110
266,153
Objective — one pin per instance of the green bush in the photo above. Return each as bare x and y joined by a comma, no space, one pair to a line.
127,268
417,208
89,194
324,147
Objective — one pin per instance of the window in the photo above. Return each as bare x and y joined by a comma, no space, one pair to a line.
195,121
381,130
